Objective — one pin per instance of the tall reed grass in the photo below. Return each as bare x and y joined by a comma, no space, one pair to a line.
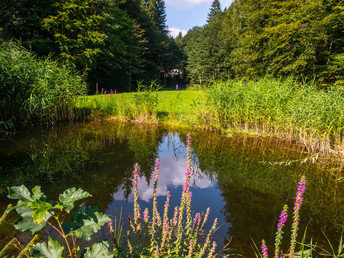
33,89
140,106
299,111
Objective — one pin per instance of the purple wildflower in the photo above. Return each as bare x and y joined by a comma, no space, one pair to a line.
111,226
298,202
264,249
279,233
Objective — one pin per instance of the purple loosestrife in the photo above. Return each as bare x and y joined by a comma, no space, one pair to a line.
165,228
264,249
155,209
185,200
111,226
298,202
212,250
136,205
129,236
188,212
279,233
146,216
191,248
206,217
207,240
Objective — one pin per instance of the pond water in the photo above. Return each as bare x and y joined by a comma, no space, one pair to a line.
244,180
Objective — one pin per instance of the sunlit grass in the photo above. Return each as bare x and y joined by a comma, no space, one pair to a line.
163,105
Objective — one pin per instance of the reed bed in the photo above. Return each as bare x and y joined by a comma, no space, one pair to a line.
283,108
34,89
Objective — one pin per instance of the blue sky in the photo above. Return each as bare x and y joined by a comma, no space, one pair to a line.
183,15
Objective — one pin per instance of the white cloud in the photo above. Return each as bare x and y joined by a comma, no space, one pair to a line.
174,32
183,4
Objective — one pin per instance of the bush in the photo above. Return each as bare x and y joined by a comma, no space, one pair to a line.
33,89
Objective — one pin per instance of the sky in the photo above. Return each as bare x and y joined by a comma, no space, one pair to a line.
183,15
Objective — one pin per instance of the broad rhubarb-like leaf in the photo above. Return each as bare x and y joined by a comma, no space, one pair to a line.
98,250
70,196
26,222
86,223
52,250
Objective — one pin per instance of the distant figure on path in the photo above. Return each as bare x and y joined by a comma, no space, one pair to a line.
177,86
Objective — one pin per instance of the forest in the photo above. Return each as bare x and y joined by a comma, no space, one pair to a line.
120,43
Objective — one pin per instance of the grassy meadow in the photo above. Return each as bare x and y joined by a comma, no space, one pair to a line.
170,107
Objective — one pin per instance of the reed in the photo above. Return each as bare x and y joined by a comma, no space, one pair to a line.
34,89
287,108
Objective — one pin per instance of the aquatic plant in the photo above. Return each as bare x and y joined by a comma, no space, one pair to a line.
295,225
264,249
284,108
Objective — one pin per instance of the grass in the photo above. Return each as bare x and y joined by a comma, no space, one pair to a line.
169,107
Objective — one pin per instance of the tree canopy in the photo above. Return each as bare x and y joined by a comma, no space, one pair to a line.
269,37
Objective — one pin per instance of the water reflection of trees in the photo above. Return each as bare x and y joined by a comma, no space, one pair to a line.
97,158
257,176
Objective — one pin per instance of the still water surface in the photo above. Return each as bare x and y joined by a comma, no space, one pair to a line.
244,180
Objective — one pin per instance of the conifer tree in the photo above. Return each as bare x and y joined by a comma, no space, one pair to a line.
161,16
214,9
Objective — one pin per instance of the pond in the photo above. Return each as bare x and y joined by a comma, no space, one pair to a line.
245,181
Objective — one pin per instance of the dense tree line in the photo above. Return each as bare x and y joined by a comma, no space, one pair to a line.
112,42
269,37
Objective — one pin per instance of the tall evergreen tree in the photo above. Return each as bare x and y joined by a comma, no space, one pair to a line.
214,10
161,16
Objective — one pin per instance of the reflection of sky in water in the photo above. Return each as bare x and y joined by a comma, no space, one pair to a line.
172,155
171,173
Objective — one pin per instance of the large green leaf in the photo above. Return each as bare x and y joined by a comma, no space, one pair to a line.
40,209
98,250
86,223
70,196
52,250
26,221
19,193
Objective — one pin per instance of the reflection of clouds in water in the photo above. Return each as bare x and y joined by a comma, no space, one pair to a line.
171,174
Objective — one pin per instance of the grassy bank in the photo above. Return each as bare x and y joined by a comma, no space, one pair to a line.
286,109
169,107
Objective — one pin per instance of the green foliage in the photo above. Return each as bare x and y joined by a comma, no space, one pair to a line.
113,43
32,89
215,9
98,250
52,250
278,38
35,211
70,196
